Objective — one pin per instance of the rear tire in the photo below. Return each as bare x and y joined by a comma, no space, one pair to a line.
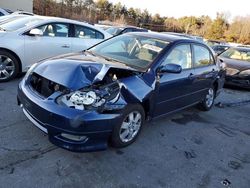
128,129
9,66
207,103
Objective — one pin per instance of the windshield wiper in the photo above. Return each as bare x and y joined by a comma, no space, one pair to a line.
90,52
107,58
104,57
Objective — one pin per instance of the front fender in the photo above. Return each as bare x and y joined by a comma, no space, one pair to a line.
135,90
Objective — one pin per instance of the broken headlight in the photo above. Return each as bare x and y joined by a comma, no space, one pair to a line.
245,72
90,98
83,98
231,71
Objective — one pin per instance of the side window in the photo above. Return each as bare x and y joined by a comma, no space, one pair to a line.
202,56
87,33
180,55
127,30
55,30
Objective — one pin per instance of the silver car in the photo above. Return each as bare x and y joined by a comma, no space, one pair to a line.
25,41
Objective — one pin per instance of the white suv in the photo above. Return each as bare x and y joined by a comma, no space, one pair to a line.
30,39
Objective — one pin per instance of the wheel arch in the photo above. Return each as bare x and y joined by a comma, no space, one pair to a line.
147,107
216,85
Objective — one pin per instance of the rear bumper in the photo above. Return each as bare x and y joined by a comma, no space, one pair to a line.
92,128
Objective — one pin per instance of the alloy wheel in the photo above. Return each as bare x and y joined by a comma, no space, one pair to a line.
130,126
210,98
7,67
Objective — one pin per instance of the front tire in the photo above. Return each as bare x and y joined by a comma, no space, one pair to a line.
126,131
9,66
208,101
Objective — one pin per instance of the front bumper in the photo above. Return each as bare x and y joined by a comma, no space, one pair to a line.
95,128
238,81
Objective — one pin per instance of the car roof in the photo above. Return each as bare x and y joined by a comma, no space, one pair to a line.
46,19
51,18
164,37
128,27
57,19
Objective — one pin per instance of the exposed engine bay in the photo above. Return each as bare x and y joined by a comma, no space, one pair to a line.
96,95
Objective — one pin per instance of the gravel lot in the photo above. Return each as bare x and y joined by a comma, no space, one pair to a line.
187,149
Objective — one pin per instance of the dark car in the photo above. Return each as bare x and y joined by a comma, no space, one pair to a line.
116,30
200,39
237,62
215,42
107,92
218,49
244,46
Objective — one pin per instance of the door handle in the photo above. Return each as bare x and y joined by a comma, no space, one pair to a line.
65,46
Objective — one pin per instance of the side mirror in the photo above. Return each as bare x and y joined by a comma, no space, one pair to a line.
36,32
170,68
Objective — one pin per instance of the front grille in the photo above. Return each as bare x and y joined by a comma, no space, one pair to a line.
44,86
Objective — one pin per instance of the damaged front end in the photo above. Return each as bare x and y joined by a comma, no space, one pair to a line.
78,104
100,95
91,98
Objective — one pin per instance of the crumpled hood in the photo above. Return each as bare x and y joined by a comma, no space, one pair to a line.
76,71
236,64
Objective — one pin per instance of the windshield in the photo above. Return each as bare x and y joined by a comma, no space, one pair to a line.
238,54
133,50
18,23
114,30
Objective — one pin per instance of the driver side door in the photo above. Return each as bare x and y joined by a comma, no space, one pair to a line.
175,90
54,41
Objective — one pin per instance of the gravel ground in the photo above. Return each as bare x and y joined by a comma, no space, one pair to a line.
186,149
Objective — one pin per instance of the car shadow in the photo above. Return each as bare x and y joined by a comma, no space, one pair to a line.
235,88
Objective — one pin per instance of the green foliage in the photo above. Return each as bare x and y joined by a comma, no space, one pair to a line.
217,28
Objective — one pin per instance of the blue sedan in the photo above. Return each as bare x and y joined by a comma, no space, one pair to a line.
84,101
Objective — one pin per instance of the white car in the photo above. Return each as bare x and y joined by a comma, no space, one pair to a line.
11,17
30,39
4,12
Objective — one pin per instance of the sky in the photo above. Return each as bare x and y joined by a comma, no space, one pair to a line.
179,8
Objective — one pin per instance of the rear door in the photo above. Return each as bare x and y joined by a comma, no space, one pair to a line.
204,68
175,90
84,37
54,41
